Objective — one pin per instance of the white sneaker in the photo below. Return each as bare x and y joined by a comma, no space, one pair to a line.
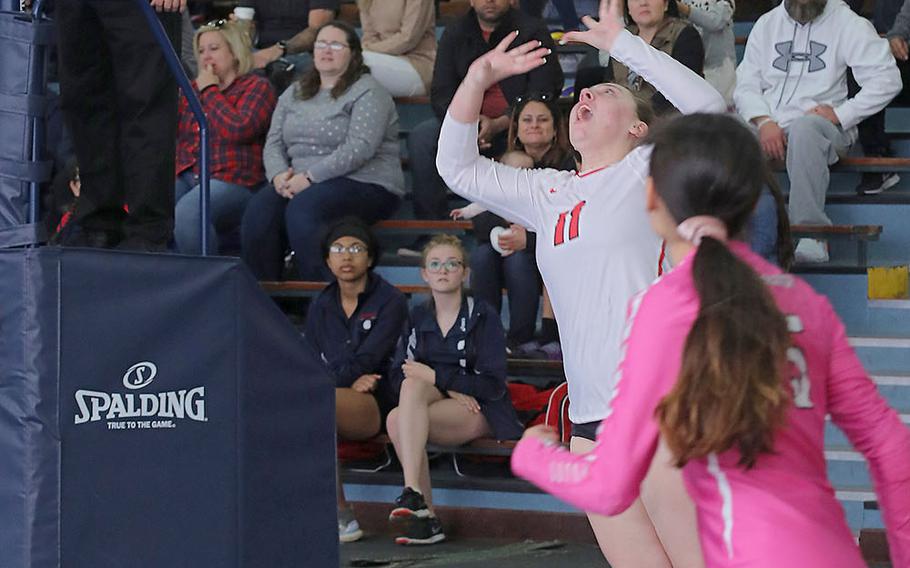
350,531
811,251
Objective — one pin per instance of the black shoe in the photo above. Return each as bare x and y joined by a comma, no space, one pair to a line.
422,531
873,183
87,238
409,504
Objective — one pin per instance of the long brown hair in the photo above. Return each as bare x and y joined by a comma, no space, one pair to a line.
560,150
730,391
309,83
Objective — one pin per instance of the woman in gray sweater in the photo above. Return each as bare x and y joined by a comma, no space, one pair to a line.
331,152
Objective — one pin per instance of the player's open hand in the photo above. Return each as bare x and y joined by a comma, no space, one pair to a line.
501,62
542,432
601,33
168,5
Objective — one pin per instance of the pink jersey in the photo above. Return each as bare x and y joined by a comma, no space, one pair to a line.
782,512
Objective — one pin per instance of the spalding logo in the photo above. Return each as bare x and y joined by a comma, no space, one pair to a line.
180,404
140,375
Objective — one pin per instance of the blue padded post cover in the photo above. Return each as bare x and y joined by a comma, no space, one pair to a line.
158,410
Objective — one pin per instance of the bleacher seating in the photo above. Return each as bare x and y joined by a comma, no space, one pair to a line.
859,220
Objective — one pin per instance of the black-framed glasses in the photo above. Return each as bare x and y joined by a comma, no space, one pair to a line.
354,249
450,265
333,45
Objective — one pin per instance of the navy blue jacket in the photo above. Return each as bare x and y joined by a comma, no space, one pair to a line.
471,359
363,343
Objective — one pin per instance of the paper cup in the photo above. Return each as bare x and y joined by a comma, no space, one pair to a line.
244,13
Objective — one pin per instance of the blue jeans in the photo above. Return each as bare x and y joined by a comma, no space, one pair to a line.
271,223
762,228
517,273
226,204
430,192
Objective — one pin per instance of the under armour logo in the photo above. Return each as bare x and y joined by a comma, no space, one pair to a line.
785,49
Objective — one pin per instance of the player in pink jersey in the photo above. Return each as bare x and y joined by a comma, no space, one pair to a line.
594,247
733,366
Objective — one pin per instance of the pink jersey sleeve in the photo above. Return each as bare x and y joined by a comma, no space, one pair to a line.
876,430
607,480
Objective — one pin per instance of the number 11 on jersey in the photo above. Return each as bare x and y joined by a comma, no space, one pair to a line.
573,215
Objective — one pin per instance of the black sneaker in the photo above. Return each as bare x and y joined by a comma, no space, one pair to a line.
422,531
873,183
409,504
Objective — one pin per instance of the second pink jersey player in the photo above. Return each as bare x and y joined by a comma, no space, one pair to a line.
783,512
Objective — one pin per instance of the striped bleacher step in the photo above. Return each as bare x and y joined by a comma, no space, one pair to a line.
881,341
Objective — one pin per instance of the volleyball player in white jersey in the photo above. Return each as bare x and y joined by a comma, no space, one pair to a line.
595,249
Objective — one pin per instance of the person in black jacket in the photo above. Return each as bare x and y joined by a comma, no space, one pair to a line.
451,368
656,22
354,325
463,41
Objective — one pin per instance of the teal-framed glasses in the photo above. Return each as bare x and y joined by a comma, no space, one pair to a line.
450,265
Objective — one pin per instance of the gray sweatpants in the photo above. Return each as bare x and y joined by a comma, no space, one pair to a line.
813,144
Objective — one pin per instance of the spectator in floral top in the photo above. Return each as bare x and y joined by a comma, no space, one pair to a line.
239,107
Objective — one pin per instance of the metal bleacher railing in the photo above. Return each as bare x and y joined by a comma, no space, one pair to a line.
173,61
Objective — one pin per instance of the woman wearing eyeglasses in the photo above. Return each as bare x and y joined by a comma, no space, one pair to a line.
451,368
332,151
353,325
537,138
239,106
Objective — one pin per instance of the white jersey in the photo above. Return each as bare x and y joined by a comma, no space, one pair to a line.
595,246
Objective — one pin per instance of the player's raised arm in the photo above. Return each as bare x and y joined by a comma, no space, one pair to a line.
502,189
684,88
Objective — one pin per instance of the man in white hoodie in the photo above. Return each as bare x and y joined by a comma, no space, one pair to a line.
792,86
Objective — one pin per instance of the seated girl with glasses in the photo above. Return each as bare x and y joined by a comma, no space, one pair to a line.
353,325
451,367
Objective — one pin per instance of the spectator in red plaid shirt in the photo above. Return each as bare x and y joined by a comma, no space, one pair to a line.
239,107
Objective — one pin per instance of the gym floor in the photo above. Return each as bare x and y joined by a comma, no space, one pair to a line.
381,551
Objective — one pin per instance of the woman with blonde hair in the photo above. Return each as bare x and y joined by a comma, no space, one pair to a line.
238,106
450,373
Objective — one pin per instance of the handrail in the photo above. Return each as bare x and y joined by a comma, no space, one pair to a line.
195,106
37,86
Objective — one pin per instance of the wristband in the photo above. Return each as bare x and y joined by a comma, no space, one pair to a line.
763,121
